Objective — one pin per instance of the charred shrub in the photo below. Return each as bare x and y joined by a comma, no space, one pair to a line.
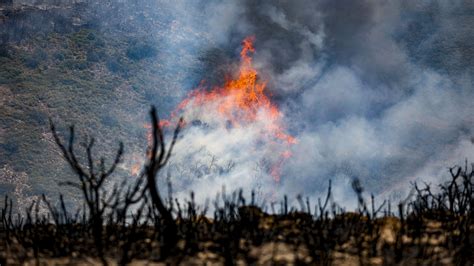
139,51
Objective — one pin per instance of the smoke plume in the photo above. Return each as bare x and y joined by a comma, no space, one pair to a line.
375,90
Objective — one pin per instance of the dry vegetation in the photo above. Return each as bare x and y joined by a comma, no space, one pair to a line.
133,224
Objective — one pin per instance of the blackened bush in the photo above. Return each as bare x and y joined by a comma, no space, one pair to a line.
38,118
6,2
35,59
8,72
141,51
93,56
99,43
31,63
76,64
90,36
59,56
10,147
4,51
115,65
96,55
109,120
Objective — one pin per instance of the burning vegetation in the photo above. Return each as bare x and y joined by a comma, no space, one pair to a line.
242,102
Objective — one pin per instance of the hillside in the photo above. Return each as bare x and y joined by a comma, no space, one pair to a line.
67,63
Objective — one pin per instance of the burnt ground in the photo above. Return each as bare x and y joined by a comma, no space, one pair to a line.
134,224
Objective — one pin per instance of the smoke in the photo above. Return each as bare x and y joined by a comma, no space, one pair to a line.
212,157
376,90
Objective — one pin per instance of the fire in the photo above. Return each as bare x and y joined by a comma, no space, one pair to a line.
241,101
135,169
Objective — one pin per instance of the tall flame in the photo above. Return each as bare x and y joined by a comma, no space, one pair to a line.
241,101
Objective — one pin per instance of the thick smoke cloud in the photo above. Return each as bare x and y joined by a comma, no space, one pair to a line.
377,90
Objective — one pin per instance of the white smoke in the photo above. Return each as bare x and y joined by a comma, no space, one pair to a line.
372,90
213,153
358,89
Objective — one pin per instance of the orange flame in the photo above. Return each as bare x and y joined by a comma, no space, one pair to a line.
241,101
135,169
